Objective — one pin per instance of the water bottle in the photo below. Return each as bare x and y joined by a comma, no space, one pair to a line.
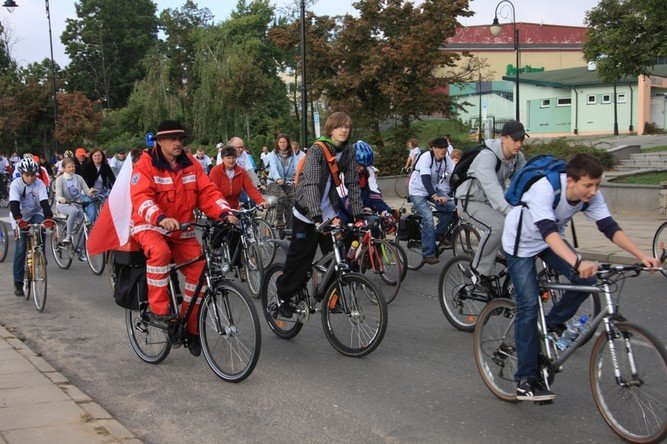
573,331
352,252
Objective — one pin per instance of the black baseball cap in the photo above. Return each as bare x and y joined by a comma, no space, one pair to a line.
514,129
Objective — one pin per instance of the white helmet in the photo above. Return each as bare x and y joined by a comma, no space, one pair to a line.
220,145
27,165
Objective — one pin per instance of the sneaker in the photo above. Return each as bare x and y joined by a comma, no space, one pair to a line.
194,344
556,329
431,260
483,284
285,310
67,240
18,289
83,258
532,389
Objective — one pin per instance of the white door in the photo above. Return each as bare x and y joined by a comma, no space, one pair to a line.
658,111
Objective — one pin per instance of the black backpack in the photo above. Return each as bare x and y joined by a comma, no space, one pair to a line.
460,173
130,287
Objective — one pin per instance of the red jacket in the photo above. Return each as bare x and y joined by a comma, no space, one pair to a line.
231,189
158,192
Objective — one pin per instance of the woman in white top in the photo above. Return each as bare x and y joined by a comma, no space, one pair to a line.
70,187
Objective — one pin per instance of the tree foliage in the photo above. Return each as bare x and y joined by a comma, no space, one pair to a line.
105,44
626,37
79,119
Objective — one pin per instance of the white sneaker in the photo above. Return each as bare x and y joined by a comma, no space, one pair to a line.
67,239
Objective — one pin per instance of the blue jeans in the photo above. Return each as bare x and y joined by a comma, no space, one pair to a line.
526,294
428,229
19,252
91,210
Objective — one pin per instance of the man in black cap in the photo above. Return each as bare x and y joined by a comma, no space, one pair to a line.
167,184
482,199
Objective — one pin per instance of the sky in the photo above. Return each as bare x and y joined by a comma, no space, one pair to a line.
28,25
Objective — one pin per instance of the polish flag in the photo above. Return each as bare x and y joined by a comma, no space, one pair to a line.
112,228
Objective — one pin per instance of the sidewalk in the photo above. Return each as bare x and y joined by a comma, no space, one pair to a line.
593,245
39,405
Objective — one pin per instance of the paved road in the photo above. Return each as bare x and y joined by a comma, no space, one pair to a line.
420,385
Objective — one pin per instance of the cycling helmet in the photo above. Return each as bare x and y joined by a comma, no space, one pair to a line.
68,153
363,153
28,166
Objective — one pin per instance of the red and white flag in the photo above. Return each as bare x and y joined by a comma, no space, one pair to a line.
112,228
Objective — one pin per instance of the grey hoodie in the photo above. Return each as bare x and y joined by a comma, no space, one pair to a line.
488,186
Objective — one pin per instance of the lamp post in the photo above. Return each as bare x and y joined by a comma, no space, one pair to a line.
495,29
304,89
10,5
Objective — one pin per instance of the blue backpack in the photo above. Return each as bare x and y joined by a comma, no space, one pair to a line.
543,165
535,169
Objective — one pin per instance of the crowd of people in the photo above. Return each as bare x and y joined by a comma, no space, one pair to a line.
333,181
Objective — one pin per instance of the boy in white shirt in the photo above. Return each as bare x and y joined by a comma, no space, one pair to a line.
541,235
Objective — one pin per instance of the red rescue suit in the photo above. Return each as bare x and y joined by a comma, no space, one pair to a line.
158,192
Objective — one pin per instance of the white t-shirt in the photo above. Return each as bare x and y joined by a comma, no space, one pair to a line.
243,161
205,161
265,159
415,152
29,196
298,156
539,200
439,171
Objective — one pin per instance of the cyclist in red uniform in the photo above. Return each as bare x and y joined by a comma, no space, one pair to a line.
167,185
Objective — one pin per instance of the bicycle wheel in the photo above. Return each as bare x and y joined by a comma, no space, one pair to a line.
149,342
354,315
401,186
4,241
495,348
660,244
465,240
460,308
285,328
230,335
381,264
95,262
413,253
39,280
252,261
111,269
61,253
633,403
271,216
263,235
27,275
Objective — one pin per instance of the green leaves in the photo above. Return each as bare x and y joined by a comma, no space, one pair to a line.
626,37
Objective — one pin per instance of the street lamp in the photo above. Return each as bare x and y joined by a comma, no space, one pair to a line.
495,29
10,5
304,88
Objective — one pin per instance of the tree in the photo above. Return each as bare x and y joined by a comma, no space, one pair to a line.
79,119
105,44
626,37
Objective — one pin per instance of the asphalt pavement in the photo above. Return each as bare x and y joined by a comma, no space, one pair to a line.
39,404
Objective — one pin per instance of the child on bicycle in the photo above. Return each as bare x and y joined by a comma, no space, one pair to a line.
541,235
28,204
70,187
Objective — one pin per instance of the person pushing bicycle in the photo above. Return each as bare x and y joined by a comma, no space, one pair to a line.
535,229
28,204
167,184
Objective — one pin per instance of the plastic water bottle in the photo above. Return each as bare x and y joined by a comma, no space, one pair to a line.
352,252
573,331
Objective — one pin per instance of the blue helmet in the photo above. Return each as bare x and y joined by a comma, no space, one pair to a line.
363,153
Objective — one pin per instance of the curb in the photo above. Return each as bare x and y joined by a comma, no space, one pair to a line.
611,258
92,414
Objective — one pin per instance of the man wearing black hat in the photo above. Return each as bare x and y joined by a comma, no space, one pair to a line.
167,184
482,199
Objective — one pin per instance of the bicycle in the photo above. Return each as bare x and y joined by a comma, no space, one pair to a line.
264,234
461,237
659,245
247,251
353,311
4,190
462,304
378,258
228,323
4,241
628,383
401,183
64,253
34,277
